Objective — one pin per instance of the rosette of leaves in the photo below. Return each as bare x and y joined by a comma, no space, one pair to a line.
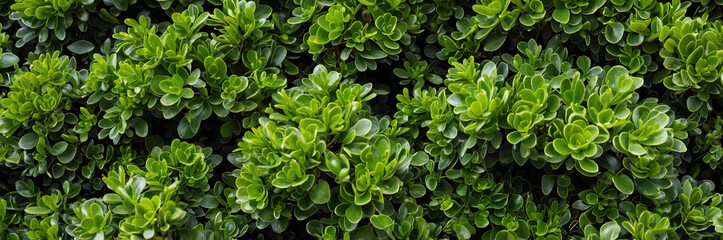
129,89
700,208
642,224
490,26
654,170
710,143
242,25
633,59
456,119
240,94
92,220
156,71
174,88
534,106
32,116
417,72
608,106
341,33
304,11
390,31
144,213
600,203
533,59
478,204
47,228
232,87
692,52
478,98
317,141
43,219
548,219
54,23
329,27
574,16
579,140
429,109
649,127
188,163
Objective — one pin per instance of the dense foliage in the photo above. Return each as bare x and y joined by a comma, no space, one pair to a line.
368,119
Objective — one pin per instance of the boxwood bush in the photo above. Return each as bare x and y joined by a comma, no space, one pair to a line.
368,119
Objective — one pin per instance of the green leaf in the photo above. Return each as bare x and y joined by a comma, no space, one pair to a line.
455,100
227,129
694,103
614,32
140,126
417,190
419,159
8,60
494,42
68,155
548,182
58,148
185,129
373,54
562,15
28,141
354,214
37,210
121,4
624,183
320,193
609,231
209,201
588,165
81,47
647,187
381,221
362,127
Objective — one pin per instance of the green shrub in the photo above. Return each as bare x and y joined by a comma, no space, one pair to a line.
369,119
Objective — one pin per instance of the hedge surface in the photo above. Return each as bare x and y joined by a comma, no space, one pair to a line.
368,119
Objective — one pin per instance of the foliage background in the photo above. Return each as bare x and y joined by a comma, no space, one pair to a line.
369,119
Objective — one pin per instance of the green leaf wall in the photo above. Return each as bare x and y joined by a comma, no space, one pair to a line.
368,119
